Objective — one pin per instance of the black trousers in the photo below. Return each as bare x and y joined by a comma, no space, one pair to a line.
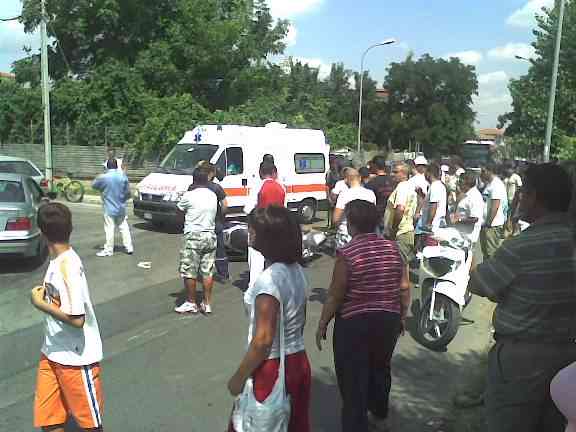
363,348
221,256
518,386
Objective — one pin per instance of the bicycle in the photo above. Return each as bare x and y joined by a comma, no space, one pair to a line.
72,190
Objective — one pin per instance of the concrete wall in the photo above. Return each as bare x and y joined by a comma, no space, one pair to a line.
81,162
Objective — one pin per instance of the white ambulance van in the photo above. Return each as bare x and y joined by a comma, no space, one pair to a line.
301,156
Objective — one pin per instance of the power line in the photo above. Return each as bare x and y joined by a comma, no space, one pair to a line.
10,19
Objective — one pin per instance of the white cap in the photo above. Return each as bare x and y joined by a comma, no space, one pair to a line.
420,160
445,168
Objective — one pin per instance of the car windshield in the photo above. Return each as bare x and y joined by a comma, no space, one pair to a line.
11,192
18,167
184,157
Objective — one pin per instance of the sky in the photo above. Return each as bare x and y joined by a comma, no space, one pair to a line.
487,34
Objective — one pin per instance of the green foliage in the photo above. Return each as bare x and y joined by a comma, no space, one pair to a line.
530,92
566,148
431,102
166,121
141,72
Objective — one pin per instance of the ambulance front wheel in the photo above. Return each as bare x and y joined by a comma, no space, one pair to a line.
307,211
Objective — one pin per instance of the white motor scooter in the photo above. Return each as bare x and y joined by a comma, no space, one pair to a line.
442,290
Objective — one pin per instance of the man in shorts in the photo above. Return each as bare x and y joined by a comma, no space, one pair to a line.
69,381
197,257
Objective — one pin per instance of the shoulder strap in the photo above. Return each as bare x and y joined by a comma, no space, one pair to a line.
282,370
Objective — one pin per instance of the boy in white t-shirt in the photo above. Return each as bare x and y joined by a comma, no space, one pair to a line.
68,381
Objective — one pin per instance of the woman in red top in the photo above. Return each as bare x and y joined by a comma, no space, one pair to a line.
369,296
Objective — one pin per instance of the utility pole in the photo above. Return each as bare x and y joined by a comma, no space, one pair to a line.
553,85
46,96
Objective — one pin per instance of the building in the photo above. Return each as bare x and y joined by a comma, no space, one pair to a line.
492,134
6,75
382,94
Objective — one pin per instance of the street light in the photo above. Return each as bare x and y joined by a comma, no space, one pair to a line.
383,43
519,57
552,101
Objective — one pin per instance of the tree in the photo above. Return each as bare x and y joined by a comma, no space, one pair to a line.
530,93
431,102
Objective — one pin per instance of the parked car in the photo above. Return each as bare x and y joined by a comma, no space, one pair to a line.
20,199
15,165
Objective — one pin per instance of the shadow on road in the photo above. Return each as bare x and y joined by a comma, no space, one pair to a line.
19,265
242,282
164,229
423,387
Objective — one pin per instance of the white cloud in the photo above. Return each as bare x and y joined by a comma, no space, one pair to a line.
324,68
468,57
12,41
493,77
493,98
511,50
292,35
525,16
292,8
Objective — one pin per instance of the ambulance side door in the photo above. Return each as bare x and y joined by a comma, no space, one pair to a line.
231,165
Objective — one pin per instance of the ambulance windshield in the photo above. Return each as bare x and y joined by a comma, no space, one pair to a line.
184,157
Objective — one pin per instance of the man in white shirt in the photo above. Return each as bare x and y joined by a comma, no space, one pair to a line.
419,183
495,215
513,183
434,205
355,192
340,186
198,254
470,210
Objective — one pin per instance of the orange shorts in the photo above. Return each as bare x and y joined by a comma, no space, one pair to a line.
63,391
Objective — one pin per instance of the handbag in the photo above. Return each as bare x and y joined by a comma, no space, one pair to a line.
271,415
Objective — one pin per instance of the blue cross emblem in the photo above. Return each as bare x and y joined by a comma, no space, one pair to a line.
198,137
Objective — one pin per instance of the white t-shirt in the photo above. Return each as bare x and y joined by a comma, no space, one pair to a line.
349,195
471,206
339,187
496,190
419,181
512,183
436,195
200,205
66,287
289,285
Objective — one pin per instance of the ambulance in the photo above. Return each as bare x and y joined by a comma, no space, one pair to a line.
300,155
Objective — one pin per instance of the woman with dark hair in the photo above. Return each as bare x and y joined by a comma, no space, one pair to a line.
275,233
369,297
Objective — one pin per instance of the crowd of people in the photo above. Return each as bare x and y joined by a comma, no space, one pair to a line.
383,215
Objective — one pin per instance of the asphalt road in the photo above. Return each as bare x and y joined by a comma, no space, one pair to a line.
165,372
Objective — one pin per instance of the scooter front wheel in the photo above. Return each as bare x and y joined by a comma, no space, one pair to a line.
437,331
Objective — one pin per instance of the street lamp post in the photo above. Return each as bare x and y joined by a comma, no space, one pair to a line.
46,96
553,85
383,43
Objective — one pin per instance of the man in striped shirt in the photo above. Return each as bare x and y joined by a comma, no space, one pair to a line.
532,278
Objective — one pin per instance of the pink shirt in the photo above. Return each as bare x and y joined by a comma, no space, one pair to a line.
375,270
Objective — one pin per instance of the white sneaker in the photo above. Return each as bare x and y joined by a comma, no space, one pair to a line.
104,253
186,307
206,308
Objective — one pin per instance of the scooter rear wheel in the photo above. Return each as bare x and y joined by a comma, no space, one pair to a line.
437,333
